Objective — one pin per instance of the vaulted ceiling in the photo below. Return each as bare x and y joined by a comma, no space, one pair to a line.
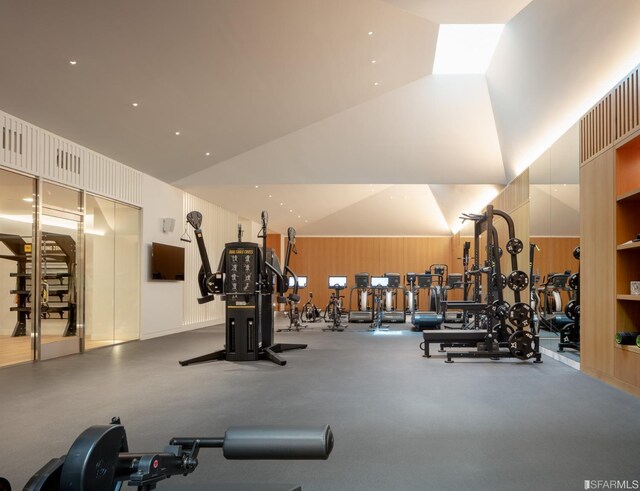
278,101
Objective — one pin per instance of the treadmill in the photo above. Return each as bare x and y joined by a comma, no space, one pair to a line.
391,312
364,311
431,319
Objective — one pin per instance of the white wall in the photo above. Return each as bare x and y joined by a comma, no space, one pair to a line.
160,301
166,306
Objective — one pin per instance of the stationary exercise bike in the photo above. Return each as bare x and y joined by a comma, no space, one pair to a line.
310,313
379,285
100,460
294,313
333,312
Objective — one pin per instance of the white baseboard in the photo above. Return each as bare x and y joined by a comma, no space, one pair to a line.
560,358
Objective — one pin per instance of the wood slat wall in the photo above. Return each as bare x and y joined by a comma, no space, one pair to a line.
555,255
320,257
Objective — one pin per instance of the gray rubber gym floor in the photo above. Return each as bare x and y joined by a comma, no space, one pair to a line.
401,422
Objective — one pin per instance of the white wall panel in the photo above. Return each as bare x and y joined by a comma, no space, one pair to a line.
19,145
219,226
32,150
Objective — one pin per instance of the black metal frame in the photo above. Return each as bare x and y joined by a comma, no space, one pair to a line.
249,314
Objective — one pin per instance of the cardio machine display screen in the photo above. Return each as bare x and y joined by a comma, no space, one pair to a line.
302,282
337,282
379,281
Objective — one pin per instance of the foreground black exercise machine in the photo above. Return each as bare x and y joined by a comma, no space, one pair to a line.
245,282
99,459
364,310
493,312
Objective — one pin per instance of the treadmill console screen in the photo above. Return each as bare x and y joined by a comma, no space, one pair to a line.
337,282
379,281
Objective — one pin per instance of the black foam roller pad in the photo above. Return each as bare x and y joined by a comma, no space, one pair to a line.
626,337
278,443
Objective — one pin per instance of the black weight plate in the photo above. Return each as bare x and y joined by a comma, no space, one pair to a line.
576,253
514,246
92,459
574,281
499,281
520,315
500,310
4,484
572,310
518,280
501,333
522,345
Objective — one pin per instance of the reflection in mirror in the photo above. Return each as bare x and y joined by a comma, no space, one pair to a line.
555,230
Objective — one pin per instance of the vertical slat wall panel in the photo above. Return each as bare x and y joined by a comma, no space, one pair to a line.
219,226
612,119
627,105
30,149
596,129
18,144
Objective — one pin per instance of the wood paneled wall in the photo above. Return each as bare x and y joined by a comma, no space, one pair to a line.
555,255
320,257
597,250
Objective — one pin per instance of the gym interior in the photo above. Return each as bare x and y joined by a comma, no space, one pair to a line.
344,245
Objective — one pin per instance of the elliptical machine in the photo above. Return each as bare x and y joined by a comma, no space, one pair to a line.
245,282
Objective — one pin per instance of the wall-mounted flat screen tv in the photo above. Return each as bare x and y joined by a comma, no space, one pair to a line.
167,262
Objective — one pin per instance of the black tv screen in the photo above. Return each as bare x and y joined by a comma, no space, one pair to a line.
167,262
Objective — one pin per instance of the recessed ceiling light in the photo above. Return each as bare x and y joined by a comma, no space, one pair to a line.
370,33
28,200
376,83
466,48
306,221
177,133
281,204
72,62
299,216
134,104
373,61
270,196
257,186
208,153
290,211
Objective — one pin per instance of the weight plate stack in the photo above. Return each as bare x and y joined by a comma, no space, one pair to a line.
522,345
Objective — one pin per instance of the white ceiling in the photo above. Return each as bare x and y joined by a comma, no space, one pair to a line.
282,94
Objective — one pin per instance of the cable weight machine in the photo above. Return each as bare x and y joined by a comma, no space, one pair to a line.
248,276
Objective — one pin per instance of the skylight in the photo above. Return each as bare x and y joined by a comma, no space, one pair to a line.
466,48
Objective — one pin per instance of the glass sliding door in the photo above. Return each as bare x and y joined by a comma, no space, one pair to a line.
60,270
100,220
127,273
17,212
112,272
